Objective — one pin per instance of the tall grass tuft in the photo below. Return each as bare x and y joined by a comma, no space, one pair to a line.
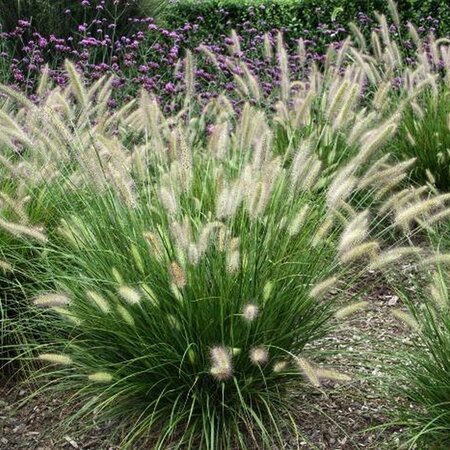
183,265
424,134
425,374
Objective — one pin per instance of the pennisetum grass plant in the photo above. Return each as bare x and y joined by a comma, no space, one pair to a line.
181,264
424,372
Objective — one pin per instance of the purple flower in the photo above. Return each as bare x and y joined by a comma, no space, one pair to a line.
169,88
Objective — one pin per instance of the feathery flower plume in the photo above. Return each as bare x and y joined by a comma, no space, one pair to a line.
280,366
391,256
204,238
117,275
189,78
322,288
406,318
100,301
174,322
354,233
436,259
5,266
148,291
222,368
233,256
381,176
307,370
404,216
358,35
434,218
394,12
100,377
126,316
309,181
177,275
322,232
268,52
56,358
339,190
267,290
250,312
350,309
69,315
193,254
50,300
76,84
168,200
373,139
402,197
283,64
236,46
130,295
137,258
328,374
154,242
439,292
21,230
259,355
182,233
367,248
298,221
389,186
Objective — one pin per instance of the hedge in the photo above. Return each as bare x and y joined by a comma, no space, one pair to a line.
300,18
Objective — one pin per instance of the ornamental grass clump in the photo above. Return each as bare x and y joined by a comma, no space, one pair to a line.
425,373
183,263
180,275
425,134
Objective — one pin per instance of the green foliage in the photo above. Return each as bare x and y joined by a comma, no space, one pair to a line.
424,133
186,275
304,18
426,371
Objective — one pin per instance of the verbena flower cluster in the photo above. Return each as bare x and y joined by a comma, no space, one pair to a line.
148,56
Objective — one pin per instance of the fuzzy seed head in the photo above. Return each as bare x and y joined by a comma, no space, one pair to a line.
222,368
350,309
327,374
406,318
100,377
126,316
259,355
100,301
56,358
5,266
322,288
130,295
307,370
69,315
280,366
177,275
50,300
250,312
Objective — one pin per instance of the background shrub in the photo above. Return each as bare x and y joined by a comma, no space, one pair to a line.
314,20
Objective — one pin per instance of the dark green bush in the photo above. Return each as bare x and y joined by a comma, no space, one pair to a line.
301,18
